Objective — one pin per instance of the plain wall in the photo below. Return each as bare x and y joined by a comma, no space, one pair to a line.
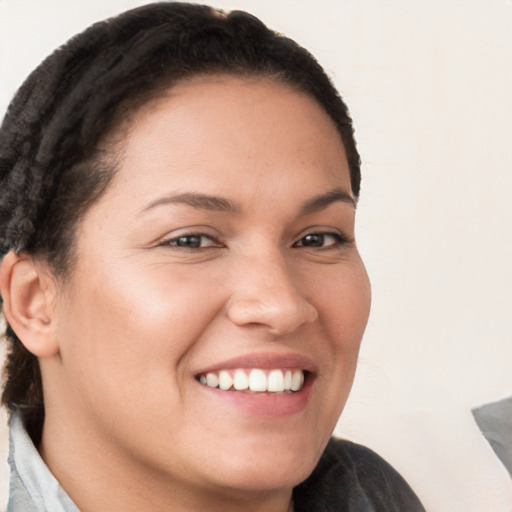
429,86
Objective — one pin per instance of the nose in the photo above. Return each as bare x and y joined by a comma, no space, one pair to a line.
266,295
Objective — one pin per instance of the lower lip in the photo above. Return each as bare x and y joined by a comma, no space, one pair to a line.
265,404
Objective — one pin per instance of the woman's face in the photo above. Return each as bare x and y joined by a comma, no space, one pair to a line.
224,250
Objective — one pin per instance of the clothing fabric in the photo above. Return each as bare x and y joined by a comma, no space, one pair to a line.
32,487
495,422
348,478
353,478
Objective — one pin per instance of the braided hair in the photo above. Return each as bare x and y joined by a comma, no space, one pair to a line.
52,165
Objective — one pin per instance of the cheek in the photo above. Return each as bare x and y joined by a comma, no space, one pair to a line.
346,301
134,326
343,303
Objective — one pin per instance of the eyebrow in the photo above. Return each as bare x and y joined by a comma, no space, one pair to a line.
221,204
324,200
198,201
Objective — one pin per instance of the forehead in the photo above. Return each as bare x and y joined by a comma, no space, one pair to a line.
216,130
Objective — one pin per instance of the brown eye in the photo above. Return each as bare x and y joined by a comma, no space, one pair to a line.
313,240
321,240
192,241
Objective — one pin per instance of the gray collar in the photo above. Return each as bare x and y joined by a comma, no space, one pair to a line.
32,486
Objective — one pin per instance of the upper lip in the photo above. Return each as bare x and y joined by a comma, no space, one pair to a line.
264,361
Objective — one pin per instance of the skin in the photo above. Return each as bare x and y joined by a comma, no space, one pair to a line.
139,317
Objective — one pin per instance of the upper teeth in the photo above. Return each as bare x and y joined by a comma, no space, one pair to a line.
274,381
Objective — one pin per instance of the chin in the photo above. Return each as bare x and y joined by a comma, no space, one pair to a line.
266,477
268,465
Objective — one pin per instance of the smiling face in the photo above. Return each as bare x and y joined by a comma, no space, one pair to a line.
222,257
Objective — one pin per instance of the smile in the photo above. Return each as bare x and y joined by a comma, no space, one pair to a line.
255,380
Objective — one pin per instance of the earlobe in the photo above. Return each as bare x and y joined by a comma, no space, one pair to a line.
28,295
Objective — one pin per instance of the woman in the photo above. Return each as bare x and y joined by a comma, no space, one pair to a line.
184,297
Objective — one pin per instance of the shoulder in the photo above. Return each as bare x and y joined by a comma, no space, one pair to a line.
352,478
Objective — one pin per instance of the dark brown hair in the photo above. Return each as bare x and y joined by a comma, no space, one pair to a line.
51,167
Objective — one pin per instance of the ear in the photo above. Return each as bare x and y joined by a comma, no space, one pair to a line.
28,293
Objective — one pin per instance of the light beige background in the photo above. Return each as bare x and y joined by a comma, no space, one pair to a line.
429,85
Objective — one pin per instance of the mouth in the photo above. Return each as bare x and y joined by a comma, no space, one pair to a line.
264,384
256,380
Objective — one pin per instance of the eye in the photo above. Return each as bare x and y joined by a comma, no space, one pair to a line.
192,241
321,240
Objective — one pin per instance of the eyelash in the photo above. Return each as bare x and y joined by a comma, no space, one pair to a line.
339,240
174,242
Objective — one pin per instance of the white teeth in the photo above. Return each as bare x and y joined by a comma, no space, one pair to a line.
240,380
225,380
288,380
212,380
297,380
275,381
255,380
